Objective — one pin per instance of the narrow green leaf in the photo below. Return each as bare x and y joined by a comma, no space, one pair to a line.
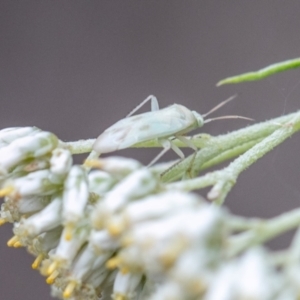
262,73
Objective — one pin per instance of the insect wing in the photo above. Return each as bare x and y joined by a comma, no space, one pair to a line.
140,128
113,137
164,123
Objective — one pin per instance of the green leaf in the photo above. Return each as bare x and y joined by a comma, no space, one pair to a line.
262,73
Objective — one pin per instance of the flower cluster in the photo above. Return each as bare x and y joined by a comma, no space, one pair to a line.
116,232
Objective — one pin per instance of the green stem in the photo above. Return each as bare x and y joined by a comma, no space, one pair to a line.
264,231
263,73
219,144
229,154
223,180
81,146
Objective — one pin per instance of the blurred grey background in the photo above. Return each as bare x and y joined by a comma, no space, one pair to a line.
76,67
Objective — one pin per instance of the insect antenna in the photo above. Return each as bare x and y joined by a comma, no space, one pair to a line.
227,117
220,105
224,117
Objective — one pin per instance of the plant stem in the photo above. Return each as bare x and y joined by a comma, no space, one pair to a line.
264,231
81,146
223,180
219,144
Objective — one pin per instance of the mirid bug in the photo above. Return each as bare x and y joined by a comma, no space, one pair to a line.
161,124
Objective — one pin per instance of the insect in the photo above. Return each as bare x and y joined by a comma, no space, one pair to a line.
161,124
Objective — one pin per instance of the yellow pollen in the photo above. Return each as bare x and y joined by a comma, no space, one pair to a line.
124,271
52,267
197,286
93,163
69,289
112,263
97,223
2,222
37,262
6,191
119,297
17,244
68,232
12,241
114,229
127,241
52,277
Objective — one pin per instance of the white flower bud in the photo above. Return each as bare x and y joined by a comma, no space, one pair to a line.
152,207
222,286
102,241
101,277
159,243
8,135
100,182
31,146
249,277
47,219
27,205
13,208
119,166
47,241
135,185
68,249
260,283
86,262
75,195
125,285
83,263
169,290
35,183
131,258
192,270
60,162
200,225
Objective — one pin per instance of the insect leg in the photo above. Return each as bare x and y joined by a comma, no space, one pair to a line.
166,145
189,173
187,142
154,105
177,150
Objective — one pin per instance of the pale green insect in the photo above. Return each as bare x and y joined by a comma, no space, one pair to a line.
263,73
161,124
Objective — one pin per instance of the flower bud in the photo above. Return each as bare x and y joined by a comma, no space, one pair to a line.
60,163
135,185
86,262
8,135
100,182
45,220
102,241
67,250
118,166
75,195
125,285
31,146
46,241
152,207
35,183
